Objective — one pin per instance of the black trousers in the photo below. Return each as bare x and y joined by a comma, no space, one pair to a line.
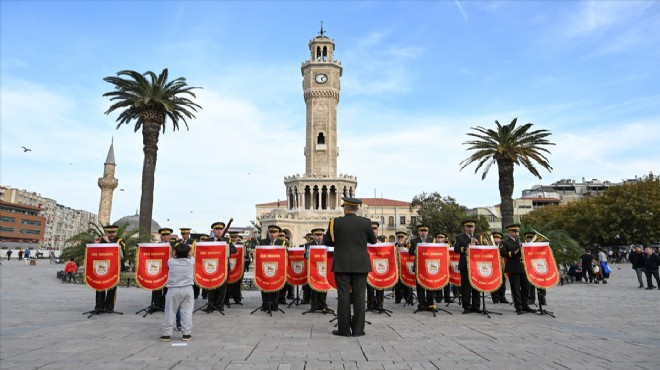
351,285
233,292
269,297
500,294
105,299
519,289
318,300
649,281
470,296
216,297
402,291
424,297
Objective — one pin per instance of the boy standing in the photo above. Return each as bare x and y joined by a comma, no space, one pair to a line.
179,292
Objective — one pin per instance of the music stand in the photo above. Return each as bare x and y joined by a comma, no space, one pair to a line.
541,311
413,298
99,312
485,311
210,307
150,310
296,300
269,309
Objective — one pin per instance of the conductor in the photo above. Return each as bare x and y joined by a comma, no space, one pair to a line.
351,264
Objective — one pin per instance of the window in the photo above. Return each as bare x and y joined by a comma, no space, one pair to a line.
413,220
31,222
320,139
390,221
402,220
7,229
24,231
7,219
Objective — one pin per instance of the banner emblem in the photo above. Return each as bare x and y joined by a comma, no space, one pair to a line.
154,267
321,268
210,265
101,267
411,267
270,268
540,265
232,263
381,265
298,266
485,269
433,266
454,267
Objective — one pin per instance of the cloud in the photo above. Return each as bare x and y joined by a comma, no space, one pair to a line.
460,9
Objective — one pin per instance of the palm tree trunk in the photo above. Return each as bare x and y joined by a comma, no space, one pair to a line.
505,169
150,132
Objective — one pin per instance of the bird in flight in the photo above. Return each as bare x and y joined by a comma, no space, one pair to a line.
26,149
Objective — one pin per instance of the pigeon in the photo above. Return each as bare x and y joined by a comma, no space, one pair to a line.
26,149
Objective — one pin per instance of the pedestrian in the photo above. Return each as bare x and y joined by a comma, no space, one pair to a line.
637,262
651,263
350,235
9,254
179,292
20,254
587,269
70,270
602,263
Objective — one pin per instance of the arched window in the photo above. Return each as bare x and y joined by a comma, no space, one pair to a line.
320,139
390,221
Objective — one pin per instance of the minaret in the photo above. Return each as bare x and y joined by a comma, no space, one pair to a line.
108,184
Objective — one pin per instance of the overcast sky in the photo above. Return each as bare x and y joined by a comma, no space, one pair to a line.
417,76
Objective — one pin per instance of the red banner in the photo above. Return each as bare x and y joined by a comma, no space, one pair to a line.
484,267
211,264
454,272
540,264
296,269
318,268
102,265
236,264
432,265
331,275
151,265
270,267
407,268
384,269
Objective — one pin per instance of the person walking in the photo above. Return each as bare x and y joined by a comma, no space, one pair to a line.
587,268
651,263
349,235
637,261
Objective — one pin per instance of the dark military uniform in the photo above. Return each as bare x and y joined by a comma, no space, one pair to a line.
499,295
375,297
233,289
216,297
158,295
470,296
401,291
318,299
424,297
351,265
270,297
105,299
511,250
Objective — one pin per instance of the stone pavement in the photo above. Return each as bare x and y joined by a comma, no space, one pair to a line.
613,326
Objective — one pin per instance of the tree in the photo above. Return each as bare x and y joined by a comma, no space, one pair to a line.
149,102
564,247
442,214
506,146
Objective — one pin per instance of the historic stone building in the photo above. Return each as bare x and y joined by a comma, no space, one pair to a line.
315,196
108,183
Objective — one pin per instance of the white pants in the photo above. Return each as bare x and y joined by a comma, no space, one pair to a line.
180,298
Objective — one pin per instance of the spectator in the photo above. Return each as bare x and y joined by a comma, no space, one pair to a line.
9,254
637,261
70,270
179,292
651,263
20,254
602,262
572,272
587,269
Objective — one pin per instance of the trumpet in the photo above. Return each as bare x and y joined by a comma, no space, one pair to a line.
486,238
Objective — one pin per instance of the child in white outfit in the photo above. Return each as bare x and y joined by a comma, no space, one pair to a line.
179,292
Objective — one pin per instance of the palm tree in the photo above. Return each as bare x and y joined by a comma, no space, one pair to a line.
506,146
150,101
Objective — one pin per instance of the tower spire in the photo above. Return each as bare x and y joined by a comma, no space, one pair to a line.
322,33
108,183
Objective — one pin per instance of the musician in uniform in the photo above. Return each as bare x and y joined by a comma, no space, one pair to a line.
318,299
401,291
424,297
375,297
287,291
271,298
471,302
158,296
499,296
105,299
445,293
216,297
531,237
511,250
307,291
351,264
234,289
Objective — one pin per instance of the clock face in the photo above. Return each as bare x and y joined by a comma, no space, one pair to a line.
321,78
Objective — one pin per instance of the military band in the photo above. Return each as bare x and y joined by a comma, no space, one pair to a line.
470,296
105,299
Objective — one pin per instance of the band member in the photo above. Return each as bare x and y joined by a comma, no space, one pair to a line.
375,297
271,298
401,291
531,237
511,250
424,297
307,291
318,299
499,296
470,296
287,291
350,235
158,296
234,289
105,299
216,297
445,293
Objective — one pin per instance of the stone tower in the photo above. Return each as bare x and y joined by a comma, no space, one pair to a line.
314,197
108,183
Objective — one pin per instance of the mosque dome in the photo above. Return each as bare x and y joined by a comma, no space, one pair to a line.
134,223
